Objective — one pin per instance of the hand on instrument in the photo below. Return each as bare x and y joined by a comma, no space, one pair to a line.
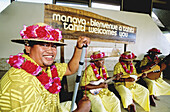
156,61
103,85
118,76
130,79
144,75
82,40
84,105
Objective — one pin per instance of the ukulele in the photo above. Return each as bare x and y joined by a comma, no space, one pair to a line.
96,91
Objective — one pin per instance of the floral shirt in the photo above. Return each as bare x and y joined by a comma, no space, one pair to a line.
23,92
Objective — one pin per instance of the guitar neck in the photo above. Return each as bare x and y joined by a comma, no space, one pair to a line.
109,80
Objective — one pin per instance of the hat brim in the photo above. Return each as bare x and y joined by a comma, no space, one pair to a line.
129,59
23,41
154,52
99,58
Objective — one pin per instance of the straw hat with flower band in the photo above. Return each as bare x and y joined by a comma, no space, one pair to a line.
154,50
97,56
128,56
40,33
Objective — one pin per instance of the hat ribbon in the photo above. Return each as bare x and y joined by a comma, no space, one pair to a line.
100,55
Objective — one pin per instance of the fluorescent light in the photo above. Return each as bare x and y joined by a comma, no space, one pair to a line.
105,6
37,1
70,4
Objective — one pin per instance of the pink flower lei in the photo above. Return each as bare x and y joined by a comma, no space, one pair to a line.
41,32
53,85
96,72
125,68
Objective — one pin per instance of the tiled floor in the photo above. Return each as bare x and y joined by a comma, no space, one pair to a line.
162,106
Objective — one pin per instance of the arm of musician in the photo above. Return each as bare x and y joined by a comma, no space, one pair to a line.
74,62
143,75
156,61
84,105
90,86
129,79
117,76
163,66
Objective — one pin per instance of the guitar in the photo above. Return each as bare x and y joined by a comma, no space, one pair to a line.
154,75
96,91
153,69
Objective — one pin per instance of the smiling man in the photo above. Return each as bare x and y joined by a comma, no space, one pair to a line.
34,81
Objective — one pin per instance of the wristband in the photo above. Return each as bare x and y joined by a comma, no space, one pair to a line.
79,47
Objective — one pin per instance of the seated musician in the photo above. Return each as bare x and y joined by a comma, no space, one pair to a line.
156,86
165,67
134,92
102,100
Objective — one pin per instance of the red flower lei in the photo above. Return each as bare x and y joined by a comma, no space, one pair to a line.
53,85
150,58
96,72
125,68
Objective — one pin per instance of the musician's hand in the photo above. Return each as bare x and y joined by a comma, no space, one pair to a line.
144,75
130,79
84,105
103,85
118,76
82,40
156,61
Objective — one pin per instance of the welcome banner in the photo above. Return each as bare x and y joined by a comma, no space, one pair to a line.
75,22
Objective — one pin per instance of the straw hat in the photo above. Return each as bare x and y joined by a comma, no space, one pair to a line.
154,50
128,56
40,32
97,55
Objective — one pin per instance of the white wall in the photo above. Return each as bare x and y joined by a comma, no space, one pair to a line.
12,20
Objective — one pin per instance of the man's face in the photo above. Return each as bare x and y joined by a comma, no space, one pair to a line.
127,62
154,54
43,54
99,63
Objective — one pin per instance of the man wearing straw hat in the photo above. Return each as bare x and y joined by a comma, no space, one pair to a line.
157,86
34,81
102,100
134,92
